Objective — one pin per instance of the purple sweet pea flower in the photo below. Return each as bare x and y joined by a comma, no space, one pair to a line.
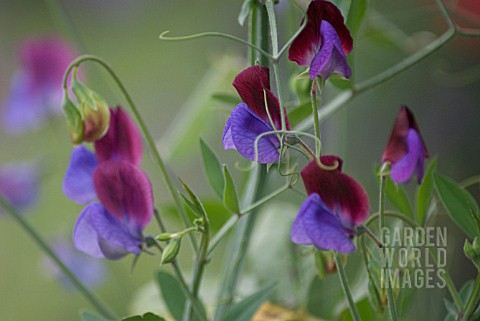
89,271
405,150
112,227
324,42
19,184
336,203
250,118
36,90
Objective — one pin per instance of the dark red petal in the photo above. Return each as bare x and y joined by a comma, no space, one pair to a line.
397,144
251,84
340,192
122,141
308,42
125,191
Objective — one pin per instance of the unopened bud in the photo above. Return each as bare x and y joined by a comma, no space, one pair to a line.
74,122
164,237
473,251
95,112
171,250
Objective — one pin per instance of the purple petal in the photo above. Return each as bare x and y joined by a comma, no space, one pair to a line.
115,238
397,144
99,234
306,45
246,126
330,58
78,180
321,227
85,237
126,192
252,85
403,169
122,141
227,139
19,184
343,195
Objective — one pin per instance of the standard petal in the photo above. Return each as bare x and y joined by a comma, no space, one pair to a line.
330,58
122,141
126,192
402,170
341,193
324,229
85,237
252,85
246,126
306,45
78,180
115,239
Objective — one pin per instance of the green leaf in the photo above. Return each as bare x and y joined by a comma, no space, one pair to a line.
458,202
356,14
146,317
245,309
193,201
213,168
90,316
245,11
425,194
230,197
172,294
398,197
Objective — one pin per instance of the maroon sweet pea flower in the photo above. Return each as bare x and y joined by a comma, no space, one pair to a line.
405,150
324,42
336,203
250,118
112,227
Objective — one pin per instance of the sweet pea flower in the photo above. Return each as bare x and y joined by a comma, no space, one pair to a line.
405,150
324,42
251,119
19,184
36,90
112,227
336,203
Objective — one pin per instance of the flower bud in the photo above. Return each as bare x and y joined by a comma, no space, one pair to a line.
472,251
164,237
74,122
171,250
94,110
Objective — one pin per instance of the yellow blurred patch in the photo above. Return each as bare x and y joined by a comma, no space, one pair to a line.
271,312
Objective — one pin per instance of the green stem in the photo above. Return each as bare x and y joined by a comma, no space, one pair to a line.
316,124
30,230
390,297
213,34
472,300
264,199
146,134
201,262
346,289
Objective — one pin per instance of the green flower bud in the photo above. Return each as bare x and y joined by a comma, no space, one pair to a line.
171,250
164,237
473,252
74,122
94,110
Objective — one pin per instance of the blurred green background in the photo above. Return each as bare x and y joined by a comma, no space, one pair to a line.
172,83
